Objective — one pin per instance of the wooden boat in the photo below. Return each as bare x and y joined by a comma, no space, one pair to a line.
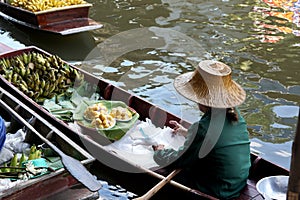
56,182
135,182
64,21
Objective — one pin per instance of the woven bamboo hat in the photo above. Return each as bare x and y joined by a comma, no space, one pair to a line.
211,85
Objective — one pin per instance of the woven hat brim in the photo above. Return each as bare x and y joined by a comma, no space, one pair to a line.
225,98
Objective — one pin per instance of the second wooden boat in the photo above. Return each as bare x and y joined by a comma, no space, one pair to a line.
64,21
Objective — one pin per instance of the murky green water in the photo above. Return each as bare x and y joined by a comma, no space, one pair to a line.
259,40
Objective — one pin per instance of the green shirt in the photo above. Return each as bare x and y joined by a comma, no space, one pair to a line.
221,173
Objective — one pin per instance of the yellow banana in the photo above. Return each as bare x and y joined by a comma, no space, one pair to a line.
40,5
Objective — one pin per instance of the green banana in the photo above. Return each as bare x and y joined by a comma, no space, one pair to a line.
5,169
22,159
14,162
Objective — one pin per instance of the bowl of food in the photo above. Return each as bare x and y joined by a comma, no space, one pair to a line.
96,119
121,114
103,122
93,111
273,187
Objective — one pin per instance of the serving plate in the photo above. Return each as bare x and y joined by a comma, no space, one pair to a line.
113,133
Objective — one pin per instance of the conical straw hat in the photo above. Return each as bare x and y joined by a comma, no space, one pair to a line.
211,85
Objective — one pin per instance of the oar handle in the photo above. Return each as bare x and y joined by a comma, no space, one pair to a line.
158,186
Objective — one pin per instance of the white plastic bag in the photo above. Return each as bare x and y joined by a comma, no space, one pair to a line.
15,142
5,155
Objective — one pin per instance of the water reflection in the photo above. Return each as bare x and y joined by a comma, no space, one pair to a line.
275,121
77,46
225,30
277,16
146,61
7,38
278,153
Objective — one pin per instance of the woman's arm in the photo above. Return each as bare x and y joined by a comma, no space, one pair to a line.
179,129
186,154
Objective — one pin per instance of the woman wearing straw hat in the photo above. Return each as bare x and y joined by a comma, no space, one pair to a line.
215,157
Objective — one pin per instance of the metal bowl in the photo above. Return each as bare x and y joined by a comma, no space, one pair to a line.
273,187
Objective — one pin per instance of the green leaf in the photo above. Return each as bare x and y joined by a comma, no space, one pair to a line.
79,110
51,105
67,104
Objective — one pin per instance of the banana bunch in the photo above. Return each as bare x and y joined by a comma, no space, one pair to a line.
40,5
75,2
39,76
15,163
34,153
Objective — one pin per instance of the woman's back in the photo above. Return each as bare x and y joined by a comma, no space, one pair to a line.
224,171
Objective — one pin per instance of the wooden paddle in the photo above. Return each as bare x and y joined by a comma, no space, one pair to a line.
158,186
75,167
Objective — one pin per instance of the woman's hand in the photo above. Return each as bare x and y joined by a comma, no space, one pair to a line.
158,147
178,129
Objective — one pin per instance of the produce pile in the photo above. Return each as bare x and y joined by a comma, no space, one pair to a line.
104,117
99,116
103,121
40,5
20,160
15,165
121,113
38,75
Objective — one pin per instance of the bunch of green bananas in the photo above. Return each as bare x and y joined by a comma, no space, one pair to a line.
15,163
38,75
40,5
34,153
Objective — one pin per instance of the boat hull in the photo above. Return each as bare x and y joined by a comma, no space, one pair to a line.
42,188
64,21
159,117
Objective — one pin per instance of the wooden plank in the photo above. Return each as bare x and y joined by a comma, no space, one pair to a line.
76,192
42,188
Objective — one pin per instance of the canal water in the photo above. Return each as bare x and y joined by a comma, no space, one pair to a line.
145,44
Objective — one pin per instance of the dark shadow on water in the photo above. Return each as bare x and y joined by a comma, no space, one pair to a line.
74,47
